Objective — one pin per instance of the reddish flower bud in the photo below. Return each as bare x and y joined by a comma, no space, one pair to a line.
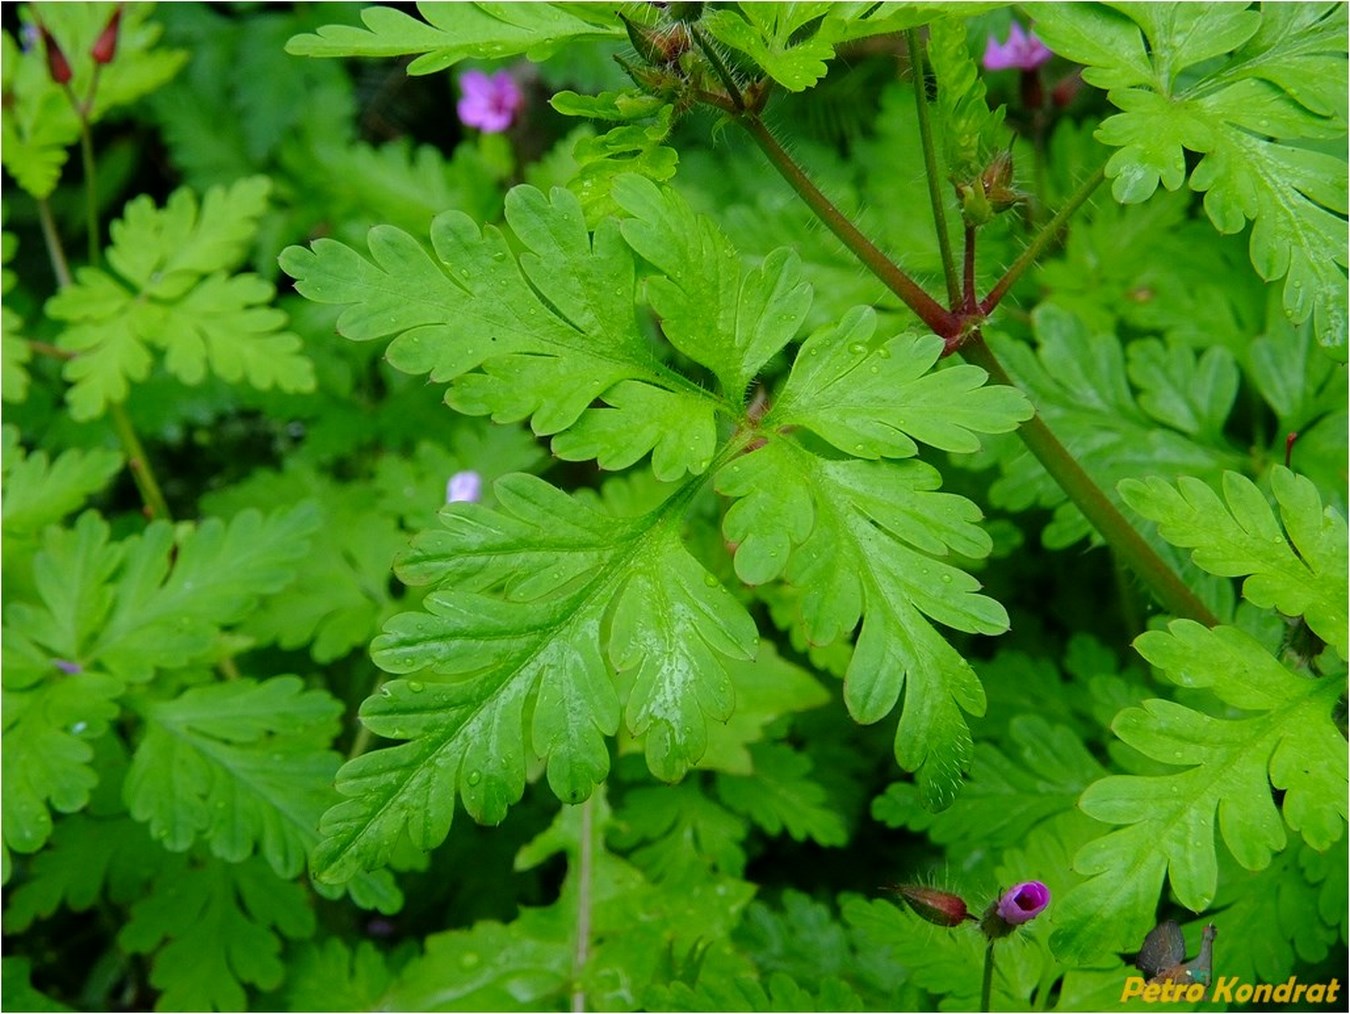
105,46
660,47
57,64
941,908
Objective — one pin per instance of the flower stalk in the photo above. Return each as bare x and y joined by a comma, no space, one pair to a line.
931,169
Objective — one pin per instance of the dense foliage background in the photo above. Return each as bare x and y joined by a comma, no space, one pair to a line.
706,660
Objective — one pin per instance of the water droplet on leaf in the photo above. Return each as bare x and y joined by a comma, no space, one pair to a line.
415,687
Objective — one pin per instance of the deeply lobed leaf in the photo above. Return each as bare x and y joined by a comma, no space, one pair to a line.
1228,766
171,290
1242,88
1299,570
516,623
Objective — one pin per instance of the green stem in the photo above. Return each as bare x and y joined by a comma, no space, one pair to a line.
941,321
931,169
141,471
584,877
987,985
55,252
151,495
1088,497
90,192
1043,239
87,159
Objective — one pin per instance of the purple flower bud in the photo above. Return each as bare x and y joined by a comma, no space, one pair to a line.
1023,902
464,487
488,103
69,668
1022,51
29,37
942,908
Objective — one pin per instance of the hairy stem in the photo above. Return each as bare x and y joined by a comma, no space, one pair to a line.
968,272
720,68
941,321
1043,239
931,169
585,861
1087,496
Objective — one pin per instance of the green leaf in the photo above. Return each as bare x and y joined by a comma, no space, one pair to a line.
622,106
454,32
766,688
87,858
1299,569
39,491
1188,393
1228,766
46,761
674,828
1078,380
243,764
873,399
732,322
790,41
340,593
328,975
779,795
633,149
869,537
674,426
550,334
1240,88
672,625
516,623
213,928
123,607
15,351
20,994
740,994
171,290
1008,795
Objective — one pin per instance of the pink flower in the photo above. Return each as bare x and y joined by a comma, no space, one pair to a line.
1022,51
1019,904
488,103
1023,902
464,487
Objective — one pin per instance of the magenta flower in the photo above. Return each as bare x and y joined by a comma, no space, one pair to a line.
464,487
489,103
1023,902
1022,51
